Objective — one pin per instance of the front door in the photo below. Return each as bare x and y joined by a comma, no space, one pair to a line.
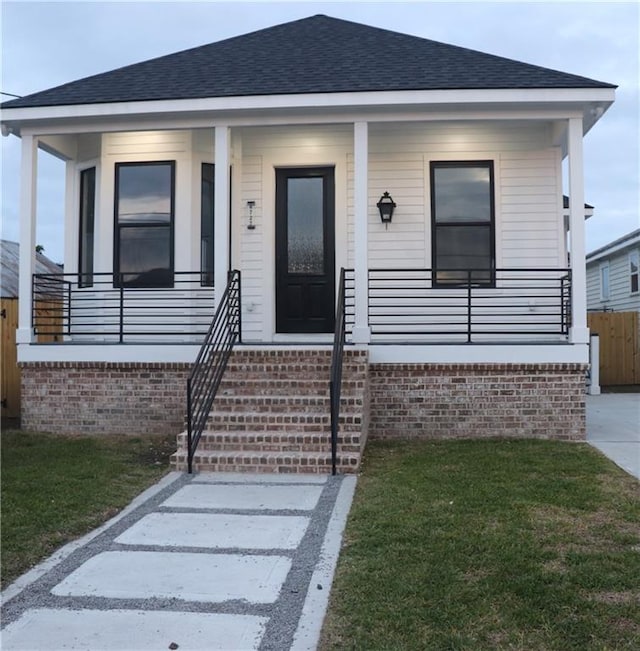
305,280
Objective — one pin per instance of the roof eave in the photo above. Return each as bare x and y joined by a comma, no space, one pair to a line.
592,102
621,244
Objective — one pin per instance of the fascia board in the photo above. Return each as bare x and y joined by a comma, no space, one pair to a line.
318,101
287,118
628,244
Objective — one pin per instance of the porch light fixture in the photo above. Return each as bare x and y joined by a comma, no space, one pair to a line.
251,205
386,206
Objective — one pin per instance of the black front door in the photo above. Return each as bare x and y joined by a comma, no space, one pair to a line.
305,250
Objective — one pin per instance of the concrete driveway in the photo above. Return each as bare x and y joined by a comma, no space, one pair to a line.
613,427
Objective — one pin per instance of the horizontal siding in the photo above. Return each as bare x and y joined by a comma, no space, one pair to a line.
252,250
529,200
147,143
620,297
298,138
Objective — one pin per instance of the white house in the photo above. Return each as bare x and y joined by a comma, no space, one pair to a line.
276,154
612,275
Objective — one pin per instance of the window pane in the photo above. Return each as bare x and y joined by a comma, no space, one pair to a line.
144,193
305,235
462,248
634,263
87,226
462,194
604,282
206,224
145,254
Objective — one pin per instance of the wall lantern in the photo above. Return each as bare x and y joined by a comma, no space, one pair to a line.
250,207
386,206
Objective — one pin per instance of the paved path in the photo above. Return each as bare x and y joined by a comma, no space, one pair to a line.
210,561
613,426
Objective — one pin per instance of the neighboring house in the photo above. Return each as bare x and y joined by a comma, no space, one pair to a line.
613,276
10,373
281,153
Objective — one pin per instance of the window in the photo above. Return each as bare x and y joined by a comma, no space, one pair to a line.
634,266
604,281
206,224
87,223
462,222
144,216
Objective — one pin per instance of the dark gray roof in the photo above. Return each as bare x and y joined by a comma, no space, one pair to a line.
10,261
318,54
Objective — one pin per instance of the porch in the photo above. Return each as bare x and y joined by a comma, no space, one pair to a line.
404,306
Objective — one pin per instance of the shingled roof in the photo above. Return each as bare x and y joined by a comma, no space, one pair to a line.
318,54
10,268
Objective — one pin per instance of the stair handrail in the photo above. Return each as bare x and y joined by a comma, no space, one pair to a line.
335,381
207,371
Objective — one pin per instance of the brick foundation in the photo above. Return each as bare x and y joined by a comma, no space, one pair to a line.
405,400
432,401
103,398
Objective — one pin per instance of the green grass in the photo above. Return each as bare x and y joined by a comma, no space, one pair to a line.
528,545
56,488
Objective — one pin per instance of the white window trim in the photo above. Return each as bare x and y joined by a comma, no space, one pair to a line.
636,255
602,267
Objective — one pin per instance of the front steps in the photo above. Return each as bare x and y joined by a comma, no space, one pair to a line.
272,414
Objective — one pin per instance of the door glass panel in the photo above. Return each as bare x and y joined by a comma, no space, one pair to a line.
305,232
462,194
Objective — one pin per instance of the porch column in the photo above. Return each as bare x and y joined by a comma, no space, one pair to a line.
361,330
221,211
28,182
579,333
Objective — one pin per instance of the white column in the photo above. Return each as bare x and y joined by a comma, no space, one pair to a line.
579,333
71,218
221,207
594,364
28,185
361,330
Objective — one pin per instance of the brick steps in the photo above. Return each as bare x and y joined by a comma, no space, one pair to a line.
272,414
247,441
285,462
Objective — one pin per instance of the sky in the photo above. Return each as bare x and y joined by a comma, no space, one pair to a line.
45,44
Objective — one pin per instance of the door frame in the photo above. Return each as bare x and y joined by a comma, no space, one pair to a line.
328,174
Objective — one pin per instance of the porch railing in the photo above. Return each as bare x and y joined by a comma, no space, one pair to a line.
335,382
111,311
208,369
519,304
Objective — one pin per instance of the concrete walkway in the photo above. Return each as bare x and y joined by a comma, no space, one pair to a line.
210,561
613,427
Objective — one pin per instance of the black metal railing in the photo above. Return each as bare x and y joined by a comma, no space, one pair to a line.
416,305
111,310
335,381
208,369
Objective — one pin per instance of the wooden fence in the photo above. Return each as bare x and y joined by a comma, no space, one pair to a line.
619,346
10,372
9,368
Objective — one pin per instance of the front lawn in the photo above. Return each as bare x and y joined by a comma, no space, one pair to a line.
527,545
57,488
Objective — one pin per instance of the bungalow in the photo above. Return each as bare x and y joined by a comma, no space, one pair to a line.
314,182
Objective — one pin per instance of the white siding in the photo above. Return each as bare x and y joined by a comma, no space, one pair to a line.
531,230
620,297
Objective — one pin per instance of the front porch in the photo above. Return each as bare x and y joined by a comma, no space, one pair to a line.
404,307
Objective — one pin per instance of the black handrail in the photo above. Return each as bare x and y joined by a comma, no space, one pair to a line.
111,311
335,381
471,306
209,367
